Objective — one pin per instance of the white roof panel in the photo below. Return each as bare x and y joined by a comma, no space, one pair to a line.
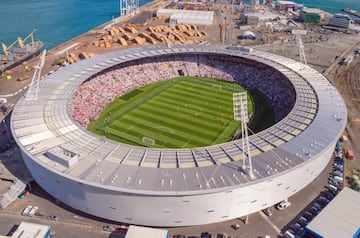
340,218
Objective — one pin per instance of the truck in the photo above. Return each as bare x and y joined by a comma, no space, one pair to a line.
347,60
349,154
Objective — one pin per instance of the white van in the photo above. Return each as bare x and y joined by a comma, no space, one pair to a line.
289,234
332,187
338,179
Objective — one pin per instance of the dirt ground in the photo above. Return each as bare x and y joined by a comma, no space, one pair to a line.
347,81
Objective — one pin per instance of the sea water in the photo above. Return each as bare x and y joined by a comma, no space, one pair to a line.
57,21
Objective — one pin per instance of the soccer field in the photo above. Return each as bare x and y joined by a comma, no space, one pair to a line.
183,112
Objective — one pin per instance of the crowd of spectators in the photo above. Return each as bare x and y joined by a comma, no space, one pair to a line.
90,98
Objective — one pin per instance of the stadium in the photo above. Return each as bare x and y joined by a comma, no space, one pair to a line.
184,186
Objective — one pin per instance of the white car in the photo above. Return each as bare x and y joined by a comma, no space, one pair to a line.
26,210
268,211
32,211
282,205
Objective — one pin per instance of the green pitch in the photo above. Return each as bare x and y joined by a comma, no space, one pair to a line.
183,112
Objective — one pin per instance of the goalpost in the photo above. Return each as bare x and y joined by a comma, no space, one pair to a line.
148,140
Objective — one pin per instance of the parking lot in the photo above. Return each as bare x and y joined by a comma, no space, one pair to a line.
334,184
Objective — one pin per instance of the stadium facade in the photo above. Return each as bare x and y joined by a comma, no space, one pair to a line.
177,187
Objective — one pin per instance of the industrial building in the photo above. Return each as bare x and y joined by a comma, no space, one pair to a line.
27,229
161,187
340,218
286,5
308,15
340,20
187,16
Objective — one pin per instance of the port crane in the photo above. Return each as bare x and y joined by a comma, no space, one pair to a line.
20,41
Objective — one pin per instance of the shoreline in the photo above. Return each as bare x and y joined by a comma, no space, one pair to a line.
107,23
10,91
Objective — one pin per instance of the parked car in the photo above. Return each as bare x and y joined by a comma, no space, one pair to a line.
322,203
333,182
323,198
338,173
340,185
289,233
26,210
318,206
109,228
297,227
268,211
52,217
314,211
282,205
235,226
338,154
33,210
308,216
339,167
178,236
121,228
205,235
328,194
339,162
303,221
40,214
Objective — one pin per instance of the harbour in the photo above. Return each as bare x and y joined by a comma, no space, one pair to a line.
15,55
351,12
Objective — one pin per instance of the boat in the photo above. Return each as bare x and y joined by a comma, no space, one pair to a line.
13,56
351,11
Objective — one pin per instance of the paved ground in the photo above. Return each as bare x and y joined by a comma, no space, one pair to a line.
75,224
323,53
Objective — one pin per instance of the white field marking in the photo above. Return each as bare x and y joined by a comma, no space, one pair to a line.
270,222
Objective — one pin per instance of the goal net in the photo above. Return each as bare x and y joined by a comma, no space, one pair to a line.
148,140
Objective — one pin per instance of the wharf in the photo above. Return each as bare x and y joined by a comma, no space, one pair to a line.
351,11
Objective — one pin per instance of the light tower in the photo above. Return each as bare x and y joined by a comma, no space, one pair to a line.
241,114
34,85
129,7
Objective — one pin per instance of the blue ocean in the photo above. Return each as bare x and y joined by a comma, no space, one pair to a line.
57,21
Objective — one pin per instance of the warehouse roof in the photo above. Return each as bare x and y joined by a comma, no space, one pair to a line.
340,218
188,16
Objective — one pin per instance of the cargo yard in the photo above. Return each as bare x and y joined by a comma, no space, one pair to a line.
267,28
